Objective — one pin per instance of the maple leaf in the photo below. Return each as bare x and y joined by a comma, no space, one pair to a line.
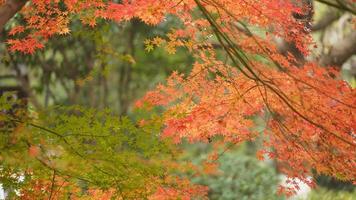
16,30
149,47
28,45
210,168
33,151
64,31
260,155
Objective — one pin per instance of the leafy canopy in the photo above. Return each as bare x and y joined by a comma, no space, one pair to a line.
311,112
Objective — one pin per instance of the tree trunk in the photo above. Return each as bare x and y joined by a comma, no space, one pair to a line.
340,52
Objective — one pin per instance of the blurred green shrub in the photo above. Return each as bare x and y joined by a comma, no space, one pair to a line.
240,176
324,194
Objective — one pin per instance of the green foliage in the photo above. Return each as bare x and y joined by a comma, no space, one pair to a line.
84,145
239,176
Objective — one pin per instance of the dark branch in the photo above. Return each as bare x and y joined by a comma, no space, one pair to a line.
339,5
9,9
327,19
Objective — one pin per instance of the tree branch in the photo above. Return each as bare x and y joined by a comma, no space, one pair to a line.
9,9
339,5
327,19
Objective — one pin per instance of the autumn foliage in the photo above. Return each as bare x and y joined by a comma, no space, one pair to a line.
309,110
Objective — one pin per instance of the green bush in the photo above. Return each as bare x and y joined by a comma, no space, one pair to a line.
240,177
323,194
